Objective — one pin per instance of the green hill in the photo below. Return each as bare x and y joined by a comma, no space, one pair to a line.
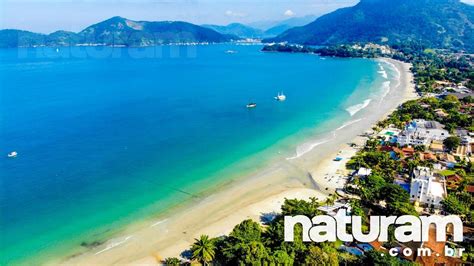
237,29
118,31
437,23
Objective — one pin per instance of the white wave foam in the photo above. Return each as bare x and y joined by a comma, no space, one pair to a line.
158,223
392,66
396,70
384,74
307,147
385,89
349,123
352,110
114,243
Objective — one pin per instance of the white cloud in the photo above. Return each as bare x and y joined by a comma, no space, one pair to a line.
289,13
231,13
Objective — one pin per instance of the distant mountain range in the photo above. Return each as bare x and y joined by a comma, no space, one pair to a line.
118,31
267,25
287,24
238,29
437,23
263,29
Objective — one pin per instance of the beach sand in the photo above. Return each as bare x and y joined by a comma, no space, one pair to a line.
315,174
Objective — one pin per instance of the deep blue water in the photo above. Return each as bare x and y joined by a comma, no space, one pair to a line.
102,133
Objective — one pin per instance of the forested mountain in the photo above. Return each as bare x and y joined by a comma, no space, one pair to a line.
437,23
117,31
237,29
286,24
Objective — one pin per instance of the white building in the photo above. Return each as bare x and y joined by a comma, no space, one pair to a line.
422,132
426,188
333,209
363,172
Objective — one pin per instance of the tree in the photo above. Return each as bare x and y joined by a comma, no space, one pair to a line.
203,250
253,253
244,244
280,257
459,203
346,258
373,257
294,207
274,234
398,201
319,256
247,231
452,142
371,188
172,261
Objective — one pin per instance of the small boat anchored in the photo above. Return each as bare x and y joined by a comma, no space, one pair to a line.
251,105
280,97
12,154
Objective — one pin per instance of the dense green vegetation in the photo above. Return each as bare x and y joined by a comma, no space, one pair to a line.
425,109
283,48
431,65
451,143
441,24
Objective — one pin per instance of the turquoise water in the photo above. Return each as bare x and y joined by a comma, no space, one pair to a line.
109,135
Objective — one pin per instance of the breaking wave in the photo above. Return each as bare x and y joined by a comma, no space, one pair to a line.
354,109
307,147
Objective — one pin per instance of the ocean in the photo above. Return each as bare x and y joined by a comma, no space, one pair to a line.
106,136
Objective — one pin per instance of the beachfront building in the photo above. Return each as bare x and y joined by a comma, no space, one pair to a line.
422,132
427,188
336,207
389,134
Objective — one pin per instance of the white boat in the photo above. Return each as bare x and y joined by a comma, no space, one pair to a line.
230,52
280,97
12,154
251,105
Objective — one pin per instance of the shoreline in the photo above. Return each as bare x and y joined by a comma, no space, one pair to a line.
313,174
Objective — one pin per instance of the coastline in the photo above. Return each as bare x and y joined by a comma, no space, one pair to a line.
313,174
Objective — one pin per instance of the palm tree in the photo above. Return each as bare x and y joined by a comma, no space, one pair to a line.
172,261
203,250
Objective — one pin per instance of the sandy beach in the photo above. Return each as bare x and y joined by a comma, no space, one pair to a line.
314,174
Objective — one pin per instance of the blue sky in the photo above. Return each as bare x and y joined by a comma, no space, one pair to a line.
73,15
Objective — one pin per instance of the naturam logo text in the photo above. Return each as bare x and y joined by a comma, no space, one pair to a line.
409,228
